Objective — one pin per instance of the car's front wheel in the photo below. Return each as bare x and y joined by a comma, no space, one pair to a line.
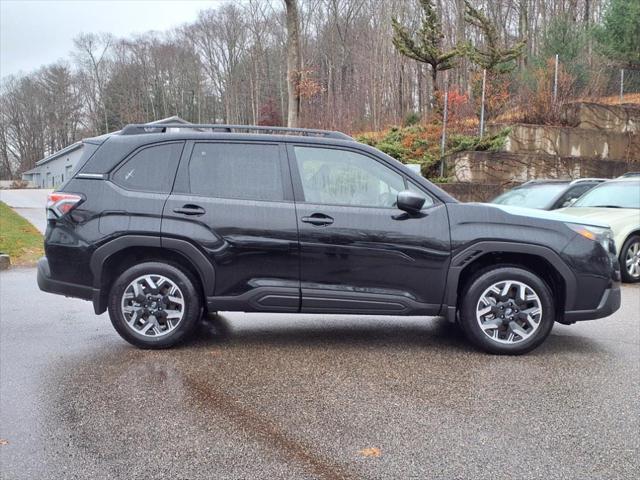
507,310
630,259
154,305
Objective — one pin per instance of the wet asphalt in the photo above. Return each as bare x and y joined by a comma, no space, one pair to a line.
259,396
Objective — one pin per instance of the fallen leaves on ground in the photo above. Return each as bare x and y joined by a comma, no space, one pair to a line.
4,442
370,452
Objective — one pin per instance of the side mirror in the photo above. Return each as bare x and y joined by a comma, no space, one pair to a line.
410,202
570,202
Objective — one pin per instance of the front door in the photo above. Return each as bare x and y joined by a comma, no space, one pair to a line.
234,202
359,253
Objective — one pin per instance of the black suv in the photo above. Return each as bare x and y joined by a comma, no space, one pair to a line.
164,224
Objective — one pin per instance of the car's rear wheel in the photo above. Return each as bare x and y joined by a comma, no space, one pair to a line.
630,259
154,305
507,310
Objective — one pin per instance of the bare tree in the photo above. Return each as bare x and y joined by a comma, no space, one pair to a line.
322,63
91,52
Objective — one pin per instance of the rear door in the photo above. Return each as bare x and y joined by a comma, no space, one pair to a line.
359,253
234,202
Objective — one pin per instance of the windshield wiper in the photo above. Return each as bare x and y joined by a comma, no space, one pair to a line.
606,206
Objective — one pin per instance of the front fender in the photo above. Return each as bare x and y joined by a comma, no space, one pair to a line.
473,252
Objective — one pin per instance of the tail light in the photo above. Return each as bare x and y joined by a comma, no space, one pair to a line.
60,203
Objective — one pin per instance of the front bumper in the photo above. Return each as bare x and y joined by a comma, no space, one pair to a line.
609,304
50,285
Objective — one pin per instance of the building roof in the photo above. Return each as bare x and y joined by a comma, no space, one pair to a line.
59,153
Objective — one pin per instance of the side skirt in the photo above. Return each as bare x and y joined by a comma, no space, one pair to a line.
287,300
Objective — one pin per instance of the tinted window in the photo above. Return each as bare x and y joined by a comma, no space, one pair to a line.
342,177
244,171
151,169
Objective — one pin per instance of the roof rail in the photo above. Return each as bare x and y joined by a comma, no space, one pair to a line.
544,180
136,129
580,180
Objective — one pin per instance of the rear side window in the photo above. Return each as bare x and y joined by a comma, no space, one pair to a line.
235,170
151,169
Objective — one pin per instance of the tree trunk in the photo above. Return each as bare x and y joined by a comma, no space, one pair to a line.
434,88
293,63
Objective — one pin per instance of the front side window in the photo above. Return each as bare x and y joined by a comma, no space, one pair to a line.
573,194
236,170
342,177
151,169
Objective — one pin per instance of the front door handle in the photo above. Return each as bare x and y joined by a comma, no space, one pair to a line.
190,209
318,219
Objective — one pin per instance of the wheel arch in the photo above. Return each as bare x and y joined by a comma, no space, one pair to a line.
541,260
112,258
621,260
627,237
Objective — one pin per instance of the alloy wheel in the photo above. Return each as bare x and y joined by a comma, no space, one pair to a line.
509,311
152,305
632,260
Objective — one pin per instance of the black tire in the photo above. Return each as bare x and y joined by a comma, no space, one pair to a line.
485,279
628,244
192,309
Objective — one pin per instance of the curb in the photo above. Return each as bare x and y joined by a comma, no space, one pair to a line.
5,261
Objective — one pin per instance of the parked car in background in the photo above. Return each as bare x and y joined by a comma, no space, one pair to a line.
617,203
547,194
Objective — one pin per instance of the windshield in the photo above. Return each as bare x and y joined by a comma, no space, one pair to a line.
624,194
531,196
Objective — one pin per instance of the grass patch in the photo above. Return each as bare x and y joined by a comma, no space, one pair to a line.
21,240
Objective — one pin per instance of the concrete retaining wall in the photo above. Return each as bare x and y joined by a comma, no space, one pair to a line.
474,192
503,167
571,142
613,118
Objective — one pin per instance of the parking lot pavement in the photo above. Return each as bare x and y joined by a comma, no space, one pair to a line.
282,396
29,203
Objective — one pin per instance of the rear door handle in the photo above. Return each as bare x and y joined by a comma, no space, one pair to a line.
318,219
190,209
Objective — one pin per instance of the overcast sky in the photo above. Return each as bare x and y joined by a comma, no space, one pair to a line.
39,32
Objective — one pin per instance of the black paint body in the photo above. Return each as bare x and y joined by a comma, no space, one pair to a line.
251,255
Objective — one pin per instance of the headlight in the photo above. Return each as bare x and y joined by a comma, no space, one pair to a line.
604,236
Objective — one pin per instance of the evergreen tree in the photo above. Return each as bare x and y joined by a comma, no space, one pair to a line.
620,33
492,57
425,45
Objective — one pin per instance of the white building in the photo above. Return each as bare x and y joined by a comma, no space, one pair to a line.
58,167
54,169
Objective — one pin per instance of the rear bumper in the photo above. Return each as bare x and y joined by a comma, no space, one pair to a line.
609,304
48,284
